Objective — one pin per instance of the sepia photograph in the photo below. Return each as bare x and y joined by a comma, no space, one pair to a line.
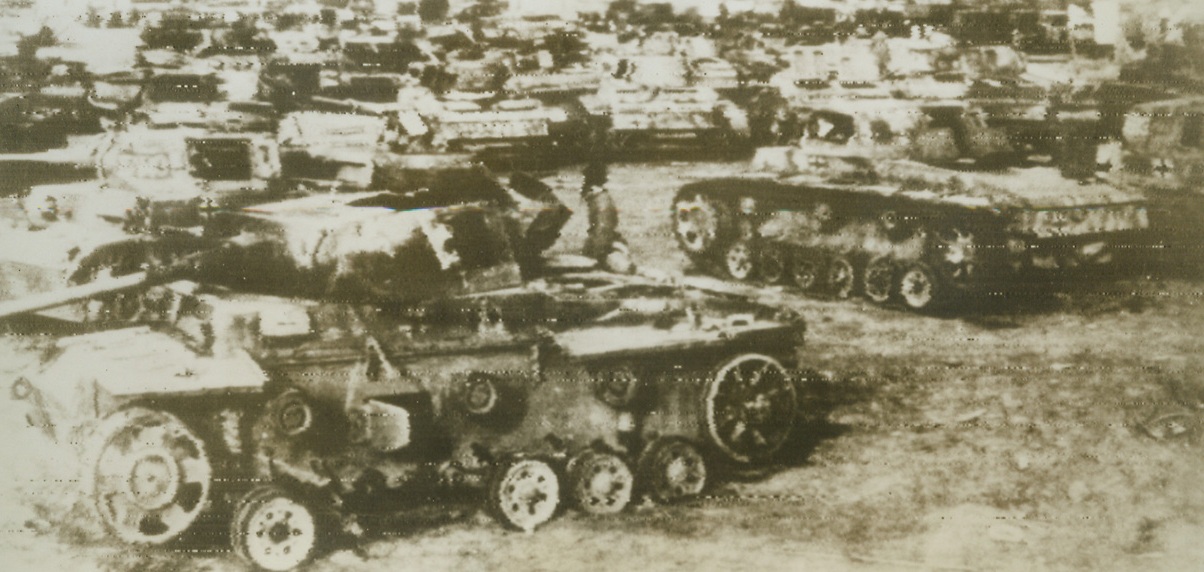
601,285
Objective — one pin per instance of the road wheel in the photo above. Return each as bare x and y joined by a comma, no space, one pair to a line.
274,530
739,259
919,287
771,263
524,494
879,279
149,476
600,483
750,408
840,277
806,269
700,224
672,470
955,254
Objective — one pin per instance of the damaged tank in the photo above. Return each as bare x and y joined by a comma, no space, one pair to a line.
493,131
840,219
379,349
157,187
641,118
49,124
1163,156
1162,143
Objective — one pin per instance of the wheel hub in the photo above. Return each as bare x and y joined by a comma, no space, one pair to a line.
758,410
281,534
603,483
678,471
804,274
529,494
739,261
153,479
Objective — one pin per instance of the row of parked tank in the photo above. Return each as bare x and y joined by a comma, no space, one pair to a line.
302,309
227,112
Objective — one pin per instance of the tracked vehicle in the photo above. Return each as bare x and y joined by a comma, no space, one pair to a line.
1163,156
401,356
643,119
831,219
495,132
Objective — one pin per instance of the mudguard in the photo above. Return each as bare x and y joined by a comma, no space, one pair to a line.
89,376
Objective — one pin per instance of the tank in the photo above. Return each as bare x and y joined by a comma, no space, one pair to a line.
195,95
493,131
1163,142
1162,155
157,178
840,219
288,416
330,150
153,183
641,118
1060,123
556,84
49,124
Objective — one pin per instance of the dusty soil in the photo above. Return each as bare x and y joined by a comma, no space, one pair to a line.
1021,437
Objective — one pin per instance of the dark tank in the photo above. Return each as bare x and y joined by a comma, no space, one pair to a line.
368,353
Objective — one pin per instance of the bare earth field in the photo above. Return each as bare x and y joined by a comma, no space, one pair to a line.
1023,437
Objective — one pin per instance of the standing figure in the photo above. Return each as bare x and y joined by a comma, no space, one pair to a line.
603,242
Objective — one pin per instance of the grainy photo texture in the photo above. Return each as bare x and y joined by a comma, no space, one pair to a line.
753,285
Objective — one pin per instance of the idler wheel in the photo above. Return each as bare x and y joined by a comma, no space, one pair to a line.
955,253
700,224
750,408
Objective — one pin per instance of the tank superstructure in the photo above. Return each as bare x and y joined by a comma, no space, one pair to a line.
487,129
642,118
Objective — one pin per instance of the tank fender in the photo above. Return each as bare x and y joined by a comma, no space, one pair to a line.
90,375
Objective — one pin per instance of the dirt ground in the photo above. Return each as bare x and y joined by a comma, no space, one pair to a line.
1056,433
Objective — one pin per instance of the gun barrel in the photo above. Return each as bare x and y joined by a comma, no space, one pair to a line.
47,300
